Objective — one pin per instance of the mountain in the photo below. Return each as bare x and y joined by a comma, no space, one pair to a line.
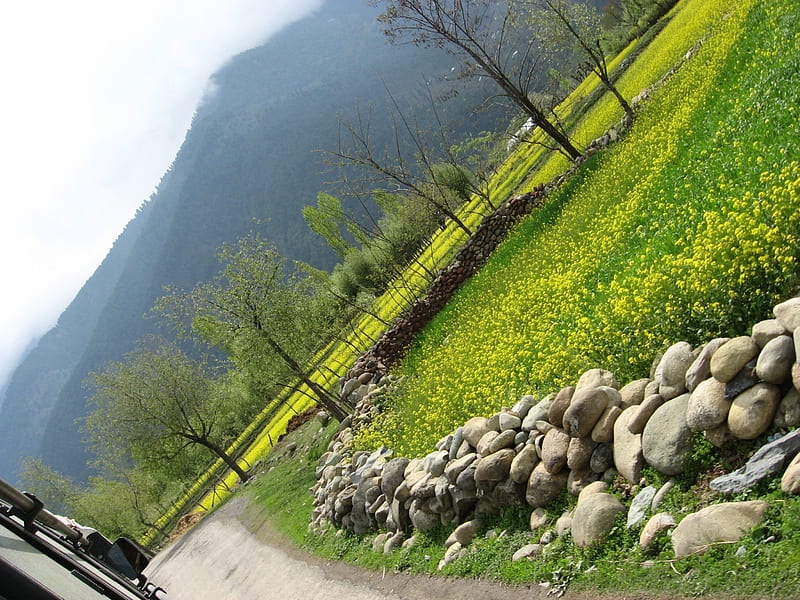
250,160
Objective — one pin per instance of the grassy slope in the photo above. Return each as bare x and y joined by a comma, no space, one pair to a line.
686,229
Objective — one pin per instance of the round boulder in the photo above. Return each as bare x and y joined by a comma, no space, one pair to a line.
554,450
775,361
544,487
671,370
727,522
752,411
788,314
628,458
732,356
586,408
494,467
667,439
708,407
594,517
475,429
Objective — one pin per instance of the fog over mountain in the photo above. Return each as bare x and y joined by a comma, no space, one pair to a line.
249,160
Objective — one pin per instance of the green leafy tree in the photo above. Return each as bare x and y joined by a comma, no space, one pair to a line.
155,404
258,313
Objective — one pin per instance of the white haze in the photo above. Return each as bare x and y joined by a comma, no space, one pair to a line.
97,96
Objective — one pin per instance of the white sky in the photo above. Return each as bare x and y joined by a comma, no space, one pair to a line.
96,98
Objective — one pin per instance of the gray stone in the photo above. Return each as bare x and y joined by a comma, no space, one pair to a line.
587,406
603,430
796,375
537,413
708,407
628,457
505,439
544,487
666,439
701,367
719,436
454,467
463,501
596,378
564,524
742,381
767,460
452,554
656,524
527,552
594,517
494,467
579,452
466,479
790,481
392,475
522,407
752,411
554,450
523,463
486,441
788,314
732,356
324,418
661,494
379,541
413,466
671,370
394,542
788,413
639,418
596,487
728,522
509,421
434,463
633,393
455,444
423,520
465,533
764,331
559,406
577,481
640,506
775,361
538,518
602,458
474,430
424,487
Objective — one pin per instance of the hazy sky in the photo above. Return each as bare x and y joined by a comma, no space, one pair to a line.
97,96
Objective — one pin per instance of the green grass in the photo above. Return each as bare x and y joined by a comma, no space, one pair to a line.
687,229
769,567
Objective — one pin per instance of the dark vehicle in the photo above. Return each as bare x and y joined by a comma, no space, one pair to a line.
43,557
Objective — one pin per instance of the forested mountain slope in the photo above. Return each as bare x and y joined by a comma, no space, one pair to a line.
249,157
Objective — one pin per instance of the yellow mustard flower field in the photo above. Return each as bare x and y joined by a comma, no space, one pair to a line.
686,229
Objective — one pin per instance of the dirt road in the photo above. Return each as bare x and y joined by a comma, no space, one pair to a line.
221,558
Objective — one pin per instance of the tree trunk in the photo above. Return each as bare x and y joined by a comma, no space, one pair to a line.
337,412
219,451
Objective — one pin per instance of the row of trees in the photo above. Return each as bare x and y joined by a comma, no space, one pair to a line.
235,342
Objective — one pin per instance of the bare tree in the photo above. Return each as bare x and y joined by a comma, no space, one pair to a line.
565,23
487,38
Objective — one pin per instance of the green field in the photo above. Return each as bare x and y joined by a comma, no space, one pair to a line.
686,229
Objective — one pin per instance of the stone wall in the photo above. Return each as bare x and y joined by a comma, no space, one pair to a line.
580,439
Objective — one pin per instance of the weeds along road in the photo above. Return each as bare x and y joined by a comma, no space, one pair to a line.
232,554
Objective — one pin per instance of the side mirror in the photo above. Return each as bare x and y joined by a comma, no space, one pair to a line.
126,557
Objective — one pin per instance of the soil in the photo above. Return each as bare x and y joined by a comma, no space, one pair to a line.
234,553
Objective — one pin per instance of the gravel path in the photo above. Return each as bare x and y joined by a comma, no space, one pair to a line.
232,554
